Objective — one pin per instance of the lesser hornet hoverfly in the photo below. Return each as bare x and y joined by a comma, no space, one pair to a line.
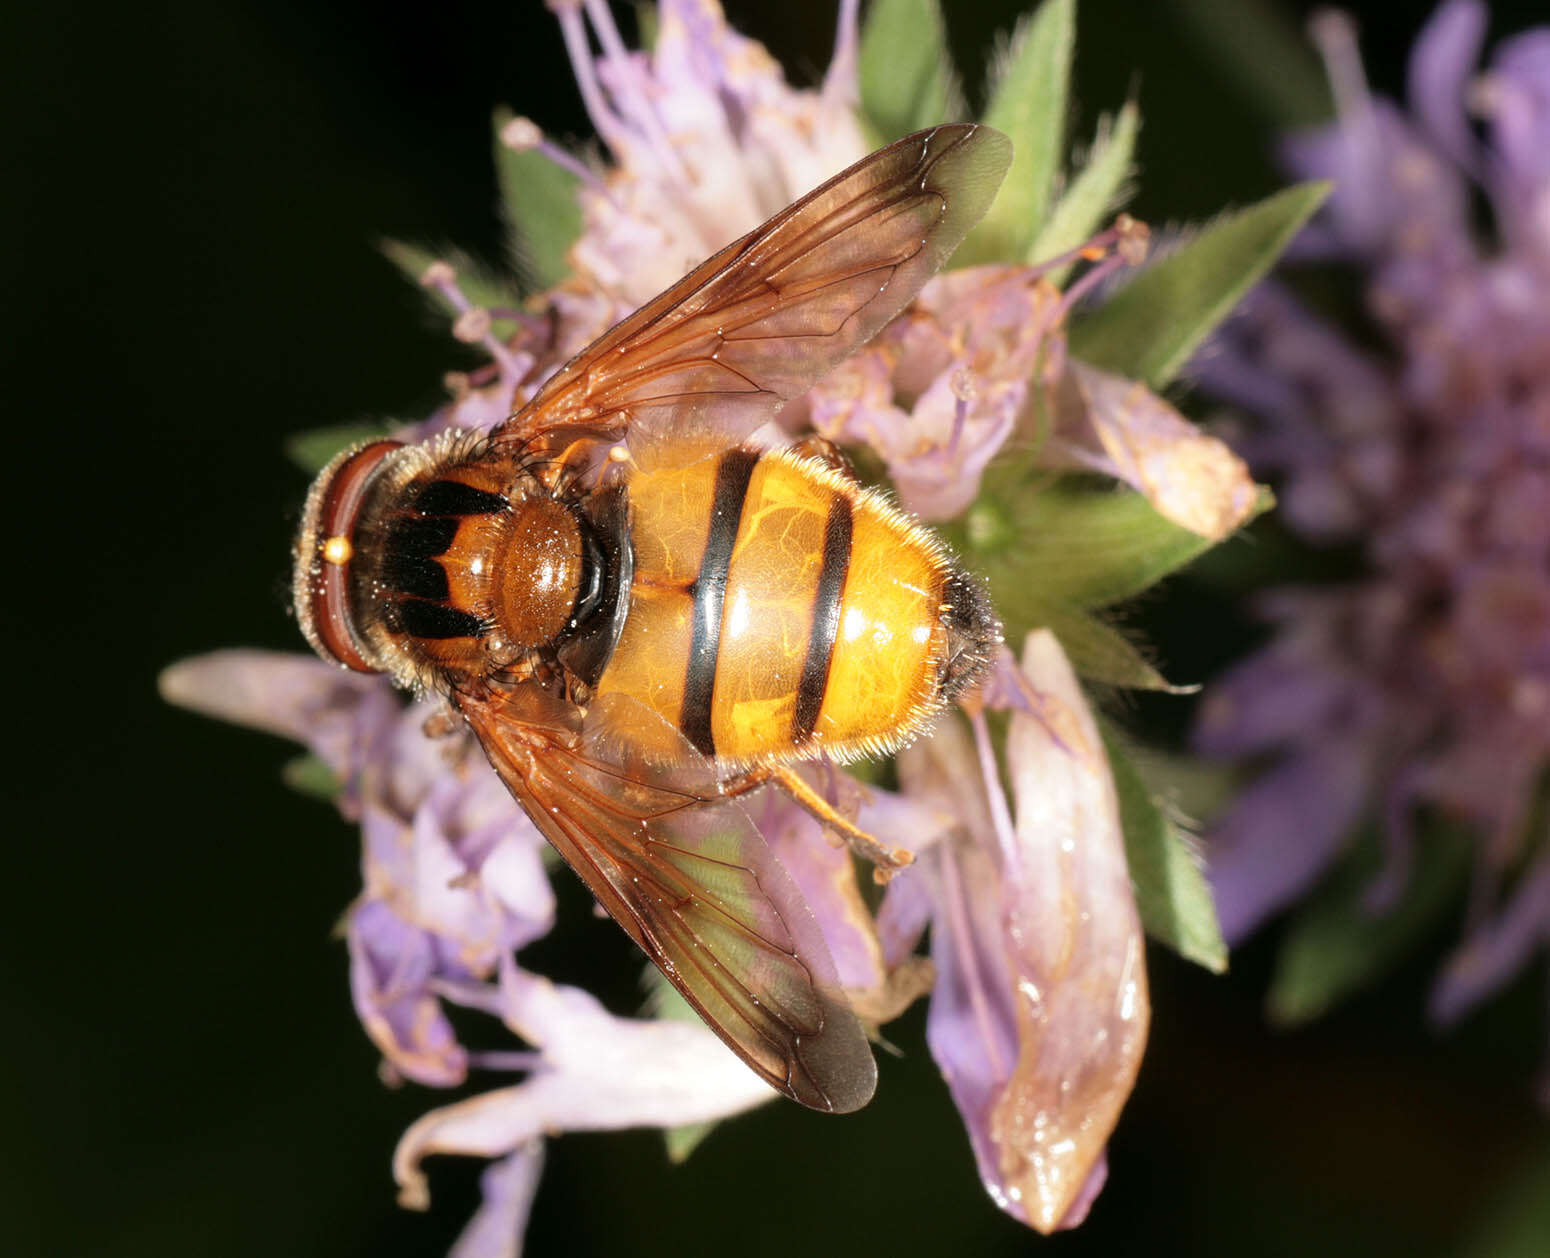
637,640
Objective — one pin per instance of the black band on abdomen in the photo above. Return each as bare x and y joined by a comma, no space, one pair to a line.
826,620
710,588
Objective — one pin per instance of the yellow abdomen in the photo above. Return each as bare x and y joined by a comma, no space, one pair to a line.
777,611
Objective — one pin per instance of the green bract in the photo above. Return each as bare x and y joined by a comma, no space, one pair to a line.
907,77
1093,193
1030,84
1172,895
1150,327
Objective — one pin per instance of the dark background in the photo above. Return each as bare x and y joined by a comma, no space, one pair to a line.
192,198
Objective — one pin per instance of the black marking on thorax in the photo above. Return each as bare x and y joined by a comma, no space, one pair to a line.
453,497
422,619
710,588
409,569
827,600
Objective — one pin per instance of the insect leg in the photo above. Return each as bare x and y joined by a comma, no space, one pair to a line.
888,860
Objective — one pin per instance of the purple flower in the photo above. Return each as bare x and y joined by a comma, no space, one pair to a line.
1422,686
588,1071
453,886
1040,1010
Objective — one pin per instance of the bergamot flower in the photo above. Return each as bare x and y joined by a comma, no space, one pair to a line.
1403,714
1008,404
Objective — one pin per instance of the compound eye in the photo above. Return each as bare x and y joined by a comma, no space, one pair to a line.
325,552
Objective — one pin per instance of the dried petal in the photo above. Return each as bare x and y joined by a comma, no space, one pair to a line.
1040,1010
594,1072
1120,427
1081,996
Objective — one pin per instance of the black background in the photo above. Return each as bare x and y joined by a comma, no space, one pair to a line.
188,223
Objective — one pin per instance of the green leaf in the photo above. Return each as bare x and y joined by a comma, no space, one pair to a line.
1098,652
1081,546
311,450
1149,328
1092,194
481,285
1029,91
308,775
648,25
1335,946
907,76
1516,1222
681,1141
1195,789
1172,894
542,210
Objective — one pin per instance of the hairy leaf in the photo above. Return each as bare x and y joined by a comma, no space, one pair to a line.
1149,328
907,76
1028,100
1093,194
1172,894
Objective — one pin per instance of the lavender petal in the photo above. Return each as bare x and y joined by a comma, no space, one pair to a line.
1495,950
1283,832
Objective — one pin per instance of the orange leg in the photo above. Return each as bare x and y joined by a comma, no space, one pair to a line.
888,860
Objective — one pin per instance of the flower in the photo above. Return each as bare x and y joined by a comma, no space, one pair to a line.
454,885
1418,690
1040,1010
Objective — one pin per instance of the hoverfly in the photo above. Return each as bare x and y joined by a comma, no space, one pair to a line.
638,639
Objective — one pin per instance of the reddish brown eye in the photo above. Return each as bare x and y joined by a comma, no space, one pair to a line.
325,549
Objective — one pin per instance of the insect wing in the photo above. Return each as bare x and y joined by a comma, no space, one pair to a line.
772,313
691,880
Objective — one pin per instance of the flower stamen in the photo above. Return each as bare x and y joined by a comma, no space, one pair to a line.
523,135
573,30
641,107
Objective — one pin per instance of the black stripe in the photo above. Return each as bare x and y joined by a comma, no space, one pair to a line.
421,534
710,589
453,497
826,620
416,576
434,620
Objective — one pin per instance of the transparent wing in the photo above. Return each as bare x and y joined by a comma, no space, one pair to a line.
691,880
772,313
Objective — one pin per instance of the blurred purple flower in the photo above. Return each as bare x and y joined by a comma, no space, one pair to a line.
1423,685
